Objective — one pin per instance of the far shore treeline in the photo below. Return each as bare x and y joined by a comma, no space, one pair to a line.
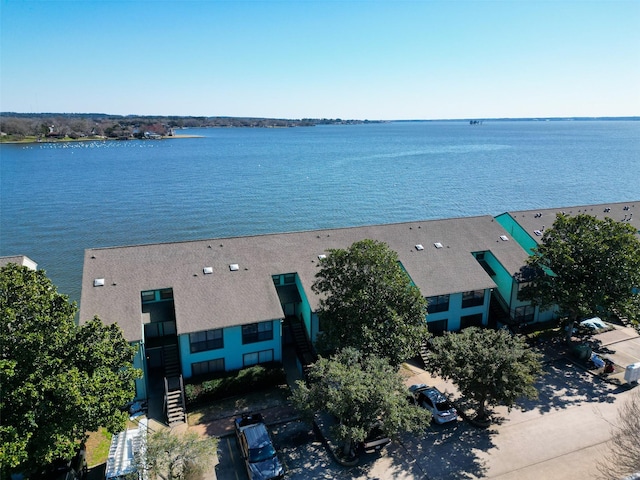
50,127
16,127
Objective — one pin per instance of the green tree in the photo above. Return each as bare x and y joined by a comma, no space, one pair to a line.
361,392
490,367
172,456
59,380
369,303
586,266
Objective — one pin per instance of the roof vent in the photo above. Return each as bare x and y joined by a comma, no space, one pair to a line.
419,247
504,238
234,267
98,282
437,245
207,270
322,256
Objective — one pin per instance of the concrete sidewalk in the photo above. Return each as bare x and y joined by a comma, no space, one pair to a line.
621,345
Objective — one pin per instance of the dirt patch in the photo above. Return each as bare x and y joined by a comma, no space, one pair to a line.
405,372
228,407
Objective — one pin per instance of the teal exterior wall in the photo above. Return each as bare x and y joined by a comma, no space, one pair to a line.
456,312
305,309
315,327
502,278
233,350
519,234
446,315
140,363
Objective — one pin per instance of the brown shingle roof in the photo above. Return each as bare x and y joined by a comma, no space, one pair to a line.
227,298
532,220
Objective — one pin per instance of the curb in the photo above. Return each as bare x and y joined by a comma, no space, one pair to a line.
332,448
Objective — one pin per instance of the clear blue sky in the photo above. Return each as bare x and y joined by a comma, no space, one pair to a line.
369,59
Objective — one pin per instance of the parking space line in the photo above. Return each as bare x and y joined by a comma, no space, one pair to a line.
233,461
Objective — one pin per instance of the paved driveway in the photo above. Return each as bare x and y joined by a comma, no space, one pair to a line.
621,345
561,435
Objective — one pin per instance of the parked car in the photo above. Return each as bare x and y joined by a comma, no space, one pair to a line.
588,326
256,447
593,324
433,400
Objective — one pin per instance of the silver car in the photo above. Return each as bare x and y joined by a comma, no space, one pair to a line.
433,400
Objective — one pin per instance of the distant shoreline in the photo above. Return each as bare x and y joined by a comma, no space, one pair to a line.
90,139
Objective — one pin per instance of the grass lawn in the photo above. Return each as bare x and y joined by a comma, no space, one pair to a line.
98,447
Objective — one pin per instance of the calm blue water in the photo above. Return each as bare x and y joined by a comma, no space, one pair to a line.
58,199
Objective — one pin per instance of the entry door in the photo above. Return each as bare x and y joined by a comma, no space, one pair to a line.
154,358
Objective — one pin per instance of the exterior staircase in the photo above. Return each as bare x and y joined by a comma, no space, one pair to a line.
175,406
174,401
304,348
171,360
423,352
497,313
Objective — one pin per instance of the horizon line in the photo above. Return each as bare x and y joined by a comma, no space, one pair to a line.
556,118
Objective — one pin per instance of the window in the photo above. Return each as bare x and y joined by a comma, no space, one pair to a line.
439,303
207,340
286,279
471,321
522,285
473,298
148,296
166,294
524,314
210,366
257,332
254,358
159,329
437,327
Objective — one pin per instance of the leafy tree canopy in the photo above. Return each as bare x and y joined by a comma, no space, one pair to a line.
586,266
177,456
59,380
491,367
369,303
360,391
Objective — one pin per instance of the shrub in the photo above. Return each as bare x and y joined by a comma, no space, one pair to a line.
229,384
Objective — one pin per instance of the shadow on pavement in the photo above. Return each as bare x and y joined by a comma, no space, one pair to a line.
564,384
448,451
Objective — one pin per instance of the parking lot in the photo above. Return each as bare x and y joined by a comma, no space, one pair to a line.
561,435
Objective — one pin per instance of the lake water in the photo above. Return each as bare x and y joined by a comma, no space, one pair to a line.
58,199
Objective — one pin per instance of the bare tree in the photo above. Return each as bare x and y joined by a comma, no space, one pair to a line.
623,461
